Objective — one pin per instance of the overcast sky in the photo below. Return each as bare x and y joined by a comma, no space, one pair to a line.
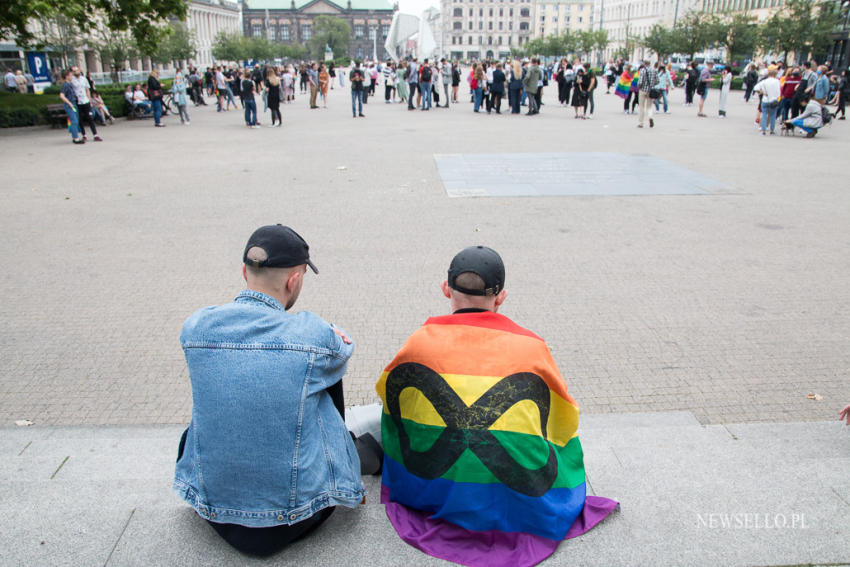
416,7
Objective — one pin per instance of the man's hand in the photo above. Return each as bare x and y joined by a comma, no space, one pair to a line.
845,414
347,341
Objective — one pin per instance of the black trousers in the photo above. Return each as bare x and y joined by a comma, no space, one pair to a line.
690,88
84,115
267,541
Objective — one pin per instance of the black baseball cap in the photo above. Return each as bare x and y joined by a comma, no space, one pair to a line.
480,260
284,248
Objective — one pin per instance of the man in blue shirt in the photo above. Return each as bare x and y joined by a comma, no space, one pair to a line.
267,426
821,86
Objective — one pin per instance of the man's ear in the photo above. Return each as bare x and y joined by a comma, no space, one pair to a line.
446,289
501,297
292,280
245,273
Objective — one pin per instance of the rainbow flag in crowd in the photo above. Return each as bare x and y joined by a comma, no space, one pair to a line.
623,85
482,461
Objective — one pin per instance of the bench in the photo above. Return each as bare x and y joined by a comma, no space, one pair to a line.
56,115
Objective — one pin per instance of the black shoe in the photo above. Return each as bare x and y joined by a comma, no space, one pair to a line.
651,122
362,115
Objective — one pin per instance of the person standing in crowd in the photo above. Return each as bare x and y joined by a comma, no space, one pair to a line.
367,83
559,78
197,88
20,82
220,89
302,73
155,95
9,80
230,79
789,88
208,81
647,87
389,83
498,87
288,81
725,86
356,80
324,80
842,93
249,103
591,87
178,90
69,100
401,81
515,86
332,74
634,92
665,83
313,81
579,94
531,83
703,86
750,80
425,85
82,89
272,86
455,80
821,90
412,81
373,79
569,82
692,74
477,86
771,90
446,76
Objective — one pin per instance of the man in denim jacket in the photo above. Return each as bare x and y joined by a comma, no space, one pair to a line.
267,455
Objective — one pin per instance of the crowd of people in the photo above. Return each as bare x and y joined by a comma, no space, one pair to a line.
795,96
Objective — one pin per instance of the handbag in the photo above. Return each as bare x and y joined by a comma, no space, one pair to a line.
654,93
701,88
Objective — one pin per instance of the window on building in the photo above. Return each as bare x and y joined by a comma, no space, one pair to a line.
358,31
500,25
580,19
284,32
480,25
524,13
501,12
359,53
257,30
480,12
523,26
306,32
270,33
469,40
385,30
510,25
581,7
457,12
489,40
542,19
500,40
491,12
373,33
510,40
457,26
490,26
480,40
469,26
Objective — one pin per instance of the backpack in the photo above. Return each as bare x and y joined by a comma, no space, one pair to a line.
425,77
826,115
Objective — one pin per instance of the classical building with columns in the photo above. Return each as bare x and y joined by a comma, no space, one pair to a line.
291,21
555,17
207,18
633,19
475,29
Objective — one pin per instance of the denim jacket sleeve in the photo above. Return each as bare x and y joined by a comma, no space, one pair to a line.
329,365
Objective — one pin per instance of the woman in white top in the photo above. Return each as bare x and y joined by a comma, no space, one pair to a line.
771,90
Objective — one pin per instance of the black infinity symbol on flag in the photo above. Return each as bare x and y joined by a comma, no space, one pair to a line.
467,427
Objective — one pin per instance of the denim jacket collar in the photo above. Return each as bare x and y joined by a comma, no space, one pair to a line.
251,295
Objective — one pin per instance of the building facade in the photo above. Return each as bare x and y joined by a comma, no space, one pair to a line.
485,29
291,22
208,18
555,17
627,21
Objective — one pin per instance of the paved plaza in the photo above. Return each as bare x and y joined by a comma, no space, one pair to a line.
707,287
733,303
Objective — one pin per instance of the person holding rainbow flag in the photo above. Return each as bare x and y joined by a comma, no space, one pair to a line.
482,461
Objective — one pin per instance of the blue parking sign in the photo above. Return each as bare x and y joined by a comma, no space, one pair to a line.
38,66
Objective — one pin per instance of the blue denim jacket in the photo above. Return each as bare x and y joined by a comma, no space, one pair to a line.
265,446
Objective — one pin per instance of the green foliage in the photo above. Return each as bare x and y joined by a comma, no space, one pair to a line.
228,47
695,32
115,46
740,36
585,41
17,117
330,31
292,52
138,17
661,41
801,27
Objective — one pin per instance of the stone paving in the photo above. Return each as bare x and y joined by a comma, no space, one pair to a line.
734,304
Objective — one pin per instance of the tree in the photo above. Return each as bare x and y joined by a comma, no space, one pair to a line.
259,48
585,41
229,47
292,51
802,27
660,40
180,44
139,17
115,47
695,32
329,31
601,40
62,34
740,36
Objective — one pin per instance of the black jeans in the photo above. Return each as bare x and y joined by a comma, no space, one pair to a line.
84,114
689,92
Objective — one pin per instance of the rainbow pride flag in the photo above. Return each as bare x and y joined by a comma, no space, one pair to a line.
623,85
482,461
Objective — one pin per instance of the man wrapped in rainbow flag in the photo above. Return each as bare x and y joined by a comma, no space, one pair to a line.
482,462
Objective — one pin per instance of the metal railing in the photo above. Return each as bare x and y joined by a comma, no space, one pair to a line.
129,76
